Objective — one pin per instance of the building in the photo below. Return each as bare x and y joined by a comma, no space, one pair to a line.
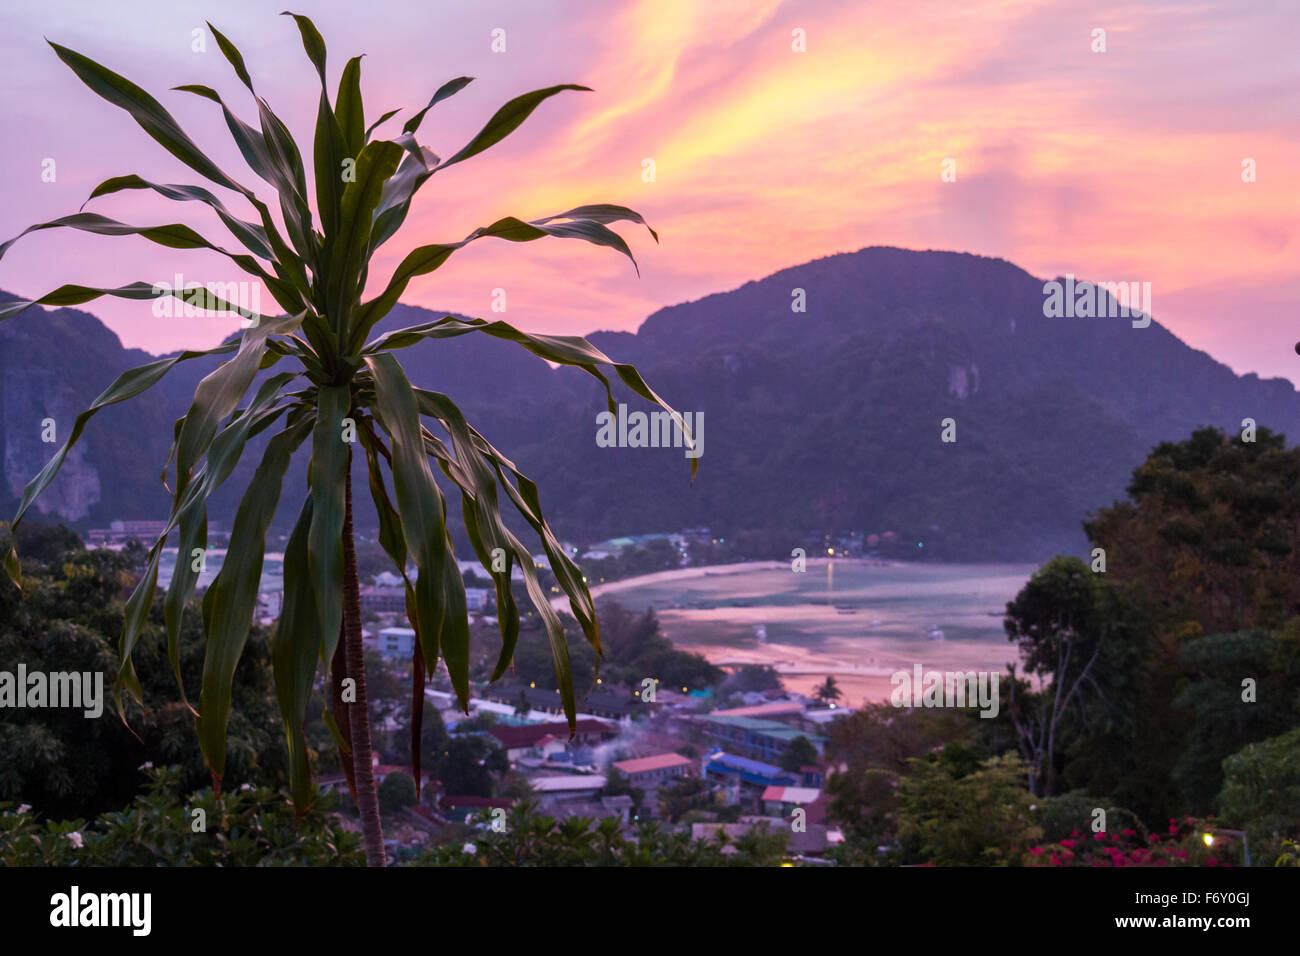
649,773
476,598
541,740
744,780
572,786
383,600
782,802
598,703
467,805
397,640
119,533
754,737
770,711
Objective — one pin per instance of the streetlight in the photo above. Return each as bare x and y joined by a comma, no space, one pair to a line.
1208,837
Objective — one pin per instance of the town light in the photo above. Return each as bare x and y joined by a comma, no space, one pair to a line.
1208,837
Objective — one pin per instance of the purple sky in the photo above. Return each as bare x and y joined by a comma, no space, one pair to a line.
1122,165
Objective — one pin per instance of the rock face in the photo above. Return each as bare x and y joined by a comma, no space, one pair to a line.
52,366
33,399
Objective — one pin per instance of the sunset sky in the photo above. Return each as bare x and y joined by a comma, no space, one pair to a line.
1122,165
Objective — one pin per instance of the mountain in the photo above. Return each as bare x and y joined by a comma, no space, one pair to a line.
825,419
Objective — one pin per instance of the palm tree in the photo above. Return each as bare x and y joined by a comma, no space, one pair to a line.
828,692
340,388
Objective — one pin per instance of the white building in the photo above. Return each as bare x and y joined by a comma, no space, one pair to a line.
397,640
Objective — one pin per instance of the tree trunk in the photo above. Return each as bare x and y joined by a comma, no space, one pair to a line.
367,795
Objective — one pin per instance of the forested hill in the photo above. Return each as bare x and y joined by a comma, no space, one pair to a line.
829,418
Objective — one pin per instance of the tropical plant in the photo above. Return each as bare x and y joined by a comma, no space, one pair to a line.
343,387
829,692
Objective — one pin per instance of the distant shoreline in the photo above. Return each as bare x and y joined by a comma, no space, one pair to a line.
714,570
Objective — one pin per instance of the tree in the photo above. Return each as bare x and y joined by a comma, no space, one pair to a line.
1261,790
467,765
828,693
396,791
63,764
801,753
337,389
1219,721
618,785
681,796
750,677
1062,622
979,819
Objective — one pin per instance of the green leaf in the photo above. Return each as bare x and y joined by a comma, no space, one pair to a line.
442,616
450,88
66,295
398,193
327,157
250,234
147,112
329,475
391,537
349,109
253,147
231,600
294,649
601,212
217,395
232,54
564,349
426,259
377,162
483,524
506,120
312,42
380,122
477,457
173,236
222,456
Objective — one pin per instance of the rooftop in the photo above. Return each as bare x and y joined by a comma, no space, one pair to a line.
791,794
657,762
531,735
763,710
568,782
